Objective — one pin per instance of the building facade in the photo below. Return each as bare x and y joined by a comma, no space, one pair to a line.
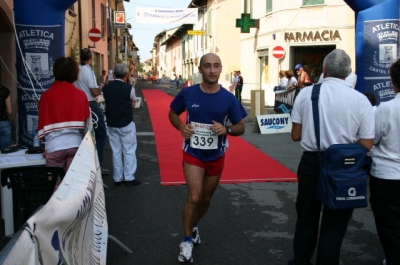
184,45
306,30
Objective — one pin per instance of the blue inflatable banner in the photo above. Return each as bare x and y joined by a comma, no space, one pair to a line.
40,30
39,46
377,45
381,44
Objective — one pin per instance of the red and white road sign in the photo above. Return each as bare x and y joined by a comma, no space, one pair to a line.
94,34
278,52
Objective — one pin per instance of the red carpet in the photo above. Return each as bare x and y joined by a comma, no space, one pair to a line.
243,162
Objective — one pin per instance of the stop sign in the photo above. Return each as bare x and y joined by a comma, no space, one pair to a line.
278,52
94,34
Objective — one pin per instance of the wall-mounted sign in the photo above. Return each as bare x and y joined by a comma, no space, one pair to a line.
196,32
245,23
119,19
325,35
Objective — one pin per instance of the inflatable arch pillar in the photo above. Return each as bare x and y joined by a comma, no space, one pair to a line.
377,45
40,31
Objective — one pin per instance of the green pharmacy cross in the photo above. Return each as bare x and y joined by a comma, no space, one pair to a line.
245,23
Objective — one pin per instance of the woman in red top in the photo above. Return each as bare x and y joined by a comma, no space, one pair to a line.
63,111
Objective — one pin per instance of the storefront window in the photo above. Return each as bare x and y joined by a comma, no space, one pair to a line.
313,2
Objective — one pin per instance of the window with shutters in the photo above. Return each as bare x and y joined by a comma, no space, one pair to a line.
269,6
313,2
103,20
93,13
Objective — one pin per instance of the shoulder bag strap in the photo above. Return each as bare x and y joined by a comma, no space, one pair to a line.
314,99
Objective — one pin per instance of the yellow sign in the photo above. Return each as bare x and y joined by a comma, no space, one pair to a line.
195,32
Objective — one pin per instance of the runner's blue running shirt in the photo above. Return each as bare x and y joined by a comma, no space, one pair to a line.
202,109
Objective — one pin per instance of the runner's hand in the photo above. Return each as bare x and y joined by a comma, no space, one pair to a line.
187,131
218,128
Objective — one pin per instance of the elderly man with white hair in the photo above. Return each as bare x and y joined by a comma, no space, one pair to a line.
346,116
120,97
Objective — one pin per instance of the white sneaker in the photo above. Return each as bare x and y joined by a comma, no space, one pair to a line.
196,235
185,254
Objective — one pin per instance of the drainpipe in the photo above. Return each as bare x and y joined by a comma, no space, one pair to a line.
80,23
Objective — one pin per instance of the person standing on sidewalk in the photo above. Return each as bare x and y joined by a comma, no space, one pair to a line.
88,84
120,98
208,107
384,182
303,79
352,122
63,111
239,86
5,113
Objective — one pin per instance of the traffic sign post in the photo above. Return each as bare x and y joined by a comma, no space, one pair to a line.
94,34
278,52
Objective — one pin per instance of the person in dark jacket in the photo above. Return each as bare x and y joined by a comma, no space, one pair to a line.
120,97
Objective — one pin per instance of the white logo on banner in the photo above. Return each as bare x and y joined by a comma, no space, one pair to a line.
166,15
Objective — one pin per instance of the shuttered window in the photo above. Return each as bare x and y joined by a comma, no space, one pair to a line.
269,6
313,2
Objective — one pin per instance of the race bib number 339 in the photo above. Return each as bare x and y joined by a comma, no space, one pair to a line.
203,137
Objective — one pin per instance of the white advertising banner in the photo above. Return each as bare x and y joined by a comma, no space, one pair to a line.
72,227
138,101
166,15
274,123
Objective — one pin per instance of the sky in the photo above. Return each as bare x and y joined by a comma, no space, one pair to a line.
143,34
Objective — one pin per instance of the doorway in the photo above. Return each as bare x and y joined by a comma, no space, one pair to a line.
311,57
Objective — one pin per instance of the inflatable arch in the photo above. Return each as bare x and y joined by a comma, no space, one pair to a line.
377,45
39,31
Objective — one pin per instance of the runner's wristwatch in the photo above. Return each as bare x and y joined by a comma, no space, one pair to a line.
229,130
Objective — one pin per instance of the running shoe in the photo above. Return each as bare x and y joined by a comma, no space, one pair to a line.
196,235
185,254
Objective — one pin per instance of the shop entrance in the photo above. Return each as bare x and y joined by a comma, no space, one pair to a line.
311,57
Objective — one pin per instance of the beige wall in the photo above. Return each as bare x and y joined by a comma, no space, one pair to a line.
99,48
225,36
221,38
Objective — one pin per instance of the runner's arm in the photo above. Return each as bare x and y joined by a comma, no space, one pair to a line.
186,130
236,129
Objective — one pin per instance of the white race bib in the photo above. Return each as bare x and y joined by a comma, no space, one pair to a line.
203,137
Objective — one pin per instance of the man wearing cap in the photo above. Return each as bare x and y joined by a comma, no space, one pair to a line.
302,76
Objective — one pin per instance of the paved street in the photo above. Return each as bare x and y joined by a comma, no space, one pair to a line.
249,223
